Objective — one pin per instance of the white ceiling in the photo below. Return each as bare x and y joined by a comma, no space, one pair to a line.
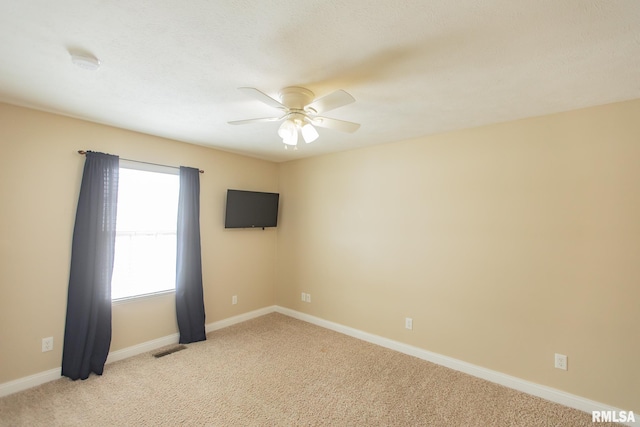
172,68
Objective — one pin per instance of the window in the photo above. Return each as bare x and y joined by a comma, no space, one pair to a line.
145,250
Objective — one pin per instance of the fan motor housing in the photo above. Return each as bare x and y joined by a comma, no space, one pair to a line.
295,98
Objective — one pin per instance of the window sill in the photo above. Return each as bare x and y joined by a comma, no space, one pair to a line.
135,298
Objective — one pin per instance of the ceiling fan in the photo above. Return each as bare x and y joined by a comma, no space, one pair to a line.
300,112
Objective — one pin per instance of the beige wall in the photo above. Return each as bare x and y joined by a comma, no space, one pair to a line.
40,172
505,244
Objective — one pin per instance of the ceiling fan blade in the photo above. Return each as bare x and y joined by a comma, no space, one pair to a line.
262,97
265,119
332,101
341,125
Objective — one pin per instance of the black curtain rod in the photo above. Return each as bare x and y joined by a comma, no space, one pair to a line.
146,163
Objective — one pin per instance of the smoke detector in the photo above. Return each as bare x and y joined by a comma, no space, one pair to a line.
85,60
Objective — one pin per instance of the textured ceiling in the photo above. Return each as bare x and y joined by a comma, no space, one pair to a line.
172,68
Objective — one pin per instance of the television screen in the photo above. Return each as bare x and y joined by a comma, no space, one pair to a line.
251,209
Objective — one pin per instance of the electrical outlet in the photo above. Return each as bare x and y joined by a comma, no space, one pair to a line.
408,323
47,344
303,297
234,299
561,361
308,298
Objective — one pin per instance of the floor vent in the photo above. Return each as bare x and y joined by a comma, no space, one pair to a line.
169,351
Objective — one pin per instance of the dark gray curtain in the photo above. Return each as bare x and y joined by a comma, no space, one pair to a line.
189,295
87,334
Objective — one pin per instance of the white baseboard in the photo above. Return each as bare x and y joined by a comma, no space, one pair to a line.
544,392
239,318
515,383
134,350
174,338
24,383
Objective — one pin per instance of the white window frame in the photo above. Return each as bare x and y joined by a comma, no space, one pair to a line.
146,167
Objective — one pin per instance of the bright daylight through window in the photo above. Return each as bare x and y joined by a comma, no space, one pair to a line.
145,252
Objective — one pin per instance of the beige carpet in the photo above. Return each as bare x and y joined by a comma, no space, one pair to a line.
279,371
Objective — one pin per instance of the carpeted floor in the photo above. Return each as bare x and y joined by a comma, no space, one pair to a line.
279,371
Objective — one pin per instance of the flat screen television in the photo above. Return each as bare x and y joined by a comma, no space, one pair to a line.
251,209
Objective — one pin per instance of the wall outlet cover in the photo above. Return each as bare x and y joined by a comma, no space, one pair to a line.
560,361
408,323
47,344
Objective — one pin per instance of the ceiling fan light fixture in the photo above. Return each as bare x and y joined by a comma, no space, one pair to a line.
309,133
300,113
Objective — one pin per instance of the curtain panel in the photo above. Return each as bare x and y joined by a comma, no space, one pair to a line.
189,294
87,335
